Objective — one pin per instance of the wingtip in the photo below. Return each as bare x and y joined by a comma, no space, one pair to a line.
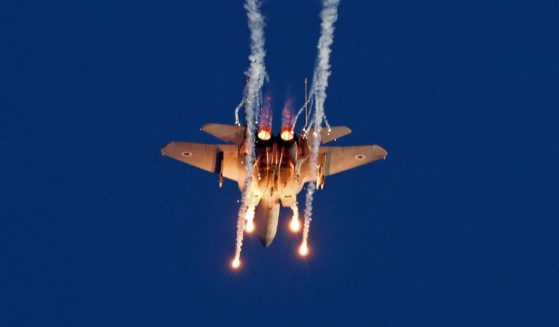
383,150
162,149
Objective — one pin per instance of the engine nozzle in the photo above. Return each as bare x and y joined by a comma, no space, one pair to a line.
287,134
264,133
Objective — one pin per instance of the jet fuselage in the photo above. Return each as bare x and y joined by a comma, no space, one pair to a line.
275,180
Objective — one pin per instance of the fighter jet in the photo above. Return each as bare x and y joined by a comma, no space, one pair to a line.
281,167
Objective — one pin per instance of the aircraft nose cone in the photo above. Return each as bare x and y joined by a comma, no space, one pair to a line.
266,241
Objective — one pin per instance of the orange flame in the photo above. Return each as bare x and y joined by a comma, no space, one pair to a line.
249,227
304,249
287,121
295,224
264,133
236,263
265,119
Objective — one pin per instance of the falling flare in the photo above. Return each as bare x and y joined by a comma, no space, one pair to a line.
239,239
303,249
295,224
249,227
328,15
252,99
236,263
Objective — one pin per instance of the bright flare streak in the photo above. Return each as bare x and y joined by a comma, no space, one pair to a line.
249,228
236,263
303,249
295,224
328,15
239,240
256,74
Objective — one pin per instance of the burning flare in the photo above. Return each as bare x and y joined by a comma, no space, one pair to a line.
328,15
256,74
295,224
304,249
249,227
236,263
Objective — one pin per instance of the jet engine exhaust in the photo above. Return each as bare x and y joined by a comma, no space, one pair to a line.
265,120
264,133
287,134
287,121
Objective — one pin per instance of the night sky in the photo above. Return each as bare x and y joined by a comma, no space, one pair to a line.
458,227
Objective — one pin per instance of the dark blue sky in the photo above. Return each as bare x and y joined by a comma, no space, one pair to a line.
458,227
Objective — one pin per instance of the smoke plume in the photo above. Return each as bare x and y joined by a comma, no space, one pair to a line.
328,15
256,74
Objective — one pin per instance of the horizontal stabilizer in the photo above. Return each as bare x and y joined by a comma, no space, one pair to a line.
227,133
334,133
329,135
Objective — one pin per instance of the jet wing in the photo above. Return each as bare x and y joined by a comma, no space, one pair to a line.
227,133
213,158
343,158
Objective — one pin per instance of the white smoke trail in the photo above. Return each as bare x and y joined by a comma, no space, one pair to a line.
237,109
256,74
328,15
